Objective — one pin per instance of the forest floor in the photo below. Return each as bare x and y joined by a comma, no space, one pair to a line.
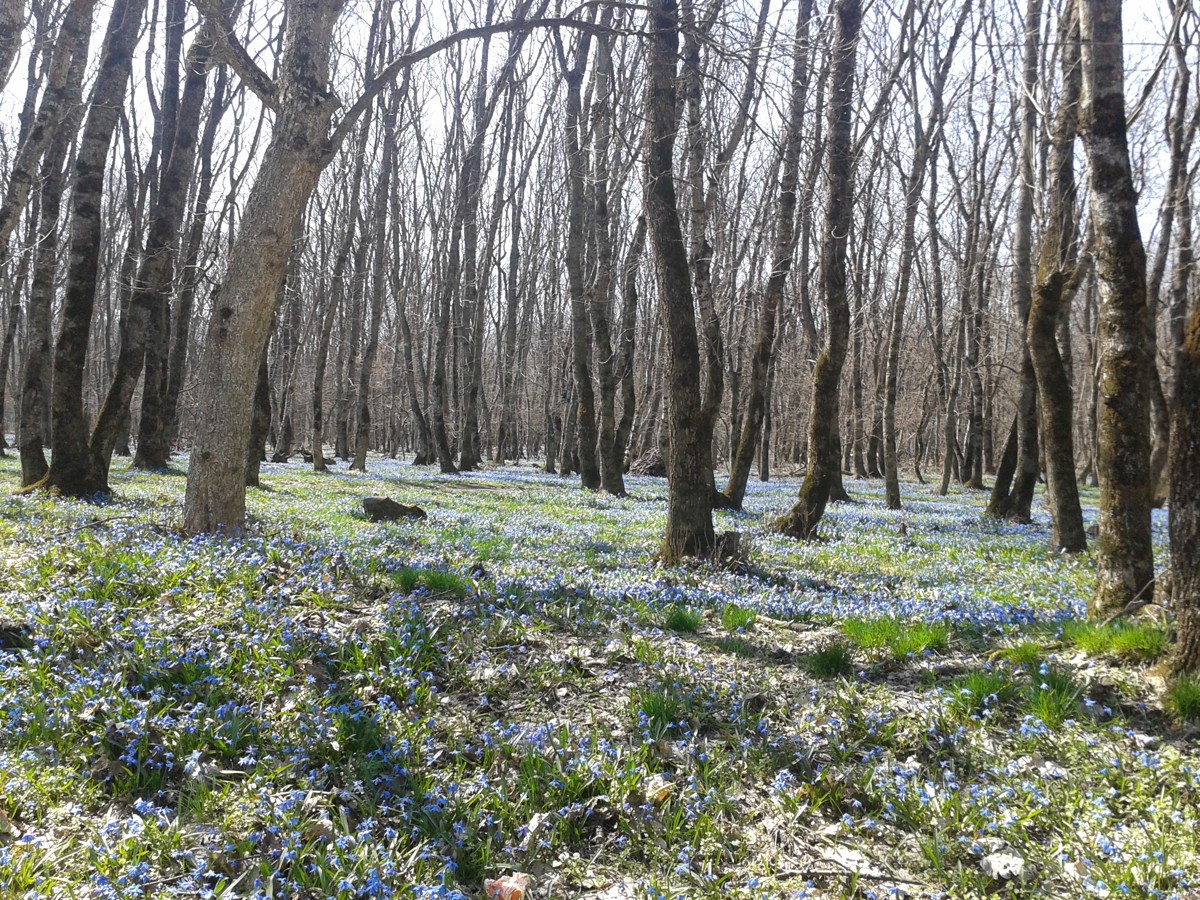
335,708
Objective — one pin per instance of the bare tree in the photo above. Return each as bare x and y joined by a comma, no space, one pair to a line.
1125,557
805,515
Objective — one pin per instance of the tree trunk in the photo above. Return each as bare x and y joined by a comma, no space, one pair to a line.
260,424
1125,560
215,500
585,431
378,284
1185,498
75,470
925,140
35,374
689,529
12,18
757,398
1058,278
147,315
626,342
803,518
159,423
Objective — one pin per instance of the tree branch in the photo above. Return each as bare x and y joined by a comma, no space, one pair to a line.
232,52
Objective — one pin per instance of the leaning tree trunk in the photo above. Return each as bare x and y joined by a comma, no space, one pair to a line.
823,462
1058,277
689,529
74,469
215,500
1125,561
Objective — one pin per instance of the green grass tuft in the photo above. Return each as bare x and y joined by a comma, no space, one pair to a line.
975,692
660,711
1129,641
1183,698
834,661
682,619
737,618
900,639
1053,696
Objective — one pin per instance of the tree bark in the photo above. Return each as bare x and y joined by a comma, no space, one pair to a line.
1184,510
1058,277
75,470
689,530
805,515
215,500
147,315
757,398
1125,559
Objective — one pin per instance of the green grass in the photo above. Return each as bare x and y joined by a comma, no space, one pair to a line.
834,661
737,618
1127,641
660,711
1026,653
901,639
975,692
341,710
1183,698
682,619
1053,696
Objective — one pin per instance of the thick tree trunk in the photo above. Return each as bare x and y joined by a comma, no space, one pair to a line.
689,529
215,500
1125,561
823,462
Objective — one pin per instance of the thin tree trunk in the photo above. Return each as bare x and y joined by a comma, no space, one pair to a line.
757,398
1058,278
926,137
803,518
